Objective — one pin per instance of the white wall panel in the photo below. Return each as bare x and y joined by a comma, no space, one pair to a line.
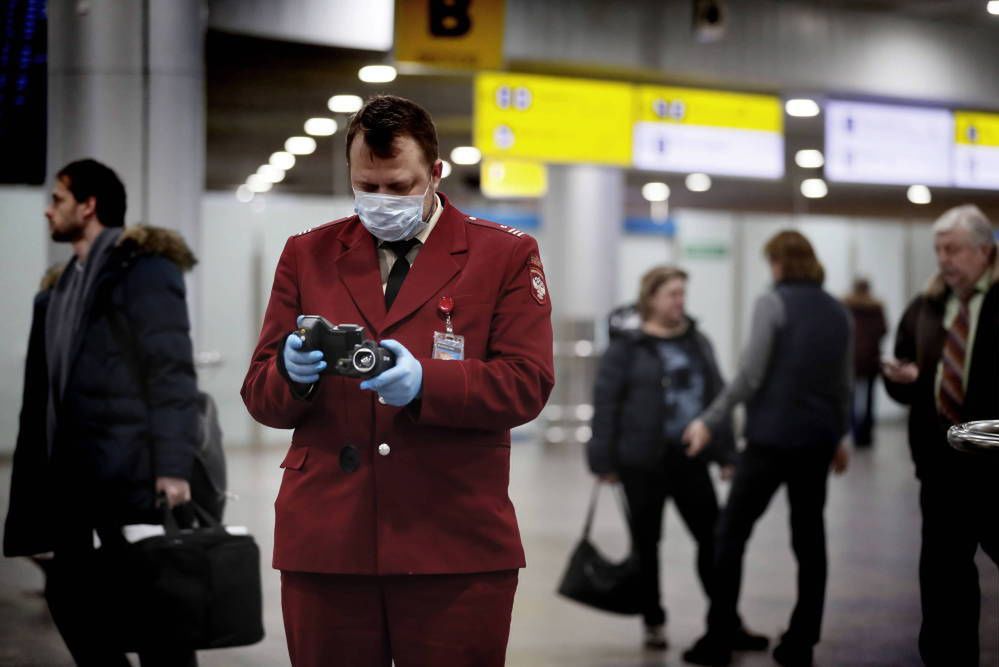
23,256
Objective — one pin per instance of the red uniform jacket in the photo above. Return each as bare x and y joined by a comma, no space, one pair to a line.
437,502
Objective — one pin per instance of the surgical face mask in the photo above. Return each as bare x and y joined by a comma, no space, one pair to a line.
391,217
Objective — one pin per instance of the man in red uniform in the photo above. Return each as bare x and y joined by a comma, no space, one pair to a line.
395,535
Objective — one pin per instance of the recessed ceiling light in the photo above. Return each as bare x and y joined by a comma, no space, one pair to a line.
919,194
257,183
655,191
809,159
282,160
300,145
814,188
698,182
445,168
802,108
244,193
376,73
345,103
271,173
320,127
466,155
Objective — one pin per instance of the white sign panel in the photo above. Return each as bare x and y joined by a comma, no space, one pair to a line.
976,167
888,144
712,150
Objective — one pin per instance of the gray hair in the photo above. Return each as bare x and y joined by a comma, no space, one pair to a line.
970,218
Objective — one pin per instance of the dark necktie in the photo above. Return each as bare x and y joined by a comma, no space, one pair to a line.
954,353
399,269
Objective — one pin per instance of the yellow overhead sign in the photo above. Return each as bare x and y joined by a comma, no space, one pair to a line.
461,34
708,108
977,129
507,179
553,119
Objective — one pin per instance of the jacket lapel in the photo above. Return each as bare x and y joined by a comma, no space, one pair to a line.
438,262
357,267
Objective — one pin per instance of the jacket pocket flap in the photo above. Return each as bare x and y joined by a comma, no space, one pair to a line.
295,458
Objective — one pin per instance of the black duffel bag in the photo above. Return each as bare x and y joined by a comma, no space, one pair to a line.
196,587
592,579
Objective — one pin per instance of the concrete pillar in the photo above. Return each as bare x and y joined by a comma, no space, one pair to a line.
582,215
126,87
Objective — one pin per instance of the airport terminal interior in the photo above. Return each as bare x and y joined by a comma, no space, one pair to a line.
621,136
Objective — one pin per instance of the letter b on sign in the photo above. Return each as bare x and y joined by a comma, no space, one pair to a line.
449,18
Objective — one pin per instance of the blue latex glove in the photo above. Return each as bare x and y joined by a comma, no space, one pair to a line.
302,367
403,382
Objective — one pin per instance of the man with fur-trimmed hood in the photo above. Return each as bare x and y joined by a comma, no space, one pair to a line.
109,417
947,370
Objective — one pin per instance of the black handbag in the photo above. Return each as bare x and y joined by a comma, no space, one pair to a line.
195,588
591,579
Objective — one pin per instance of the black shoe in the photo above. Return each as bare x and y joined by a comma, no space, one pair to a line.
793,655
655,638
744,640
708,651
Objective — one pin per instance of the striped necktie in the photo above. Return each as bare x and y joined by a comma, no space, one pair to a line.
954,353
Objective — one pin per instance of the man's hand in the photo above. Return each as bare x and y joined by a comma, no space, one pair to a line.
302,367
841,459
696,436
900,372
176,490
403,382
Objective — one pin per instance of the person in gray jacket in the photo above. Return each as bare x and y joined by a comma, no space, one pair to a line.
795,379
651,383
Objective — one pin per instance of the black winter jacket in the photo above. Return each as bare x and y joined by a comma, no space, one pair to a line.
629,408
129,412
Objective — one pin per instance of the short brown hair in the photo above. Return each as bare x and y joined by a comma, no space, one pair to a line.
792,252
383,118
653,279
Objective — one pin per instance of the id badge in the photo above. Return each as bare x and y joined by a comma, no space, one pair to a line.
448,346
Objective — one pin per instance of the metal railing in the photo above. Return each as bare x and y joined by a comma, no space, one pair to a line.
975,436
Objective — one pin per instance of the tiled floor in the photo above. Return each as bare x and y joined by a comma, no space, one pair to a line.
872,609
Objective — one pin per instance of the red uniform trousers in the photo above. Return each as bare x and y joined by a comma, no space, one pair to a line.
452,620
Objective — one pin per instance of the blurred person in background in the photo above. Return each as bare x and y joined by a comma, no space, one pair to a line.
868,330
946,369
795,378
98,443
652,382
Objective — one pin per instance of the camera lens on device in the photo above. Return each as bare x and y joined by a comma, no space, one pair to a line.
364,360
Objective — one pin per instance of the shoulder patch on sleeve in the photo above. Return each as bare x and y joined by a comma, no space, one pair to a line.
539,288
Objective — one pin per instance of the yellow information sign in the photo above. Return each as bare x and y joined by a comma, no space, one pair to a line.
465,34
709,108
976,150
690,130
977,129
509,179
553,119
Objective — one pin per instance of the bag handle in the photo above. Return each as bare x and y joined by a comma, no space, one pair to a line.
622,501
170,525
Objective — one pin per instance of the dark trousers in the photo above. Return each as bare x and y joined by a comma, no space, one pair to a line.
862,410
760,473
960,504
459,620
80,607
688,483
